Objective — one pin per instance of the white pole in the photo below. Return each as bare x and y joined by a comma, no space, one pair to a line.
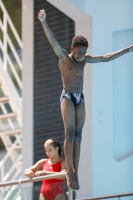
5,41
70,196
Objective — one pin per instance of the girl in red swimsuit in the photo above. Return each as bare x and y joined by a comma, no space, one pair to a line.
51,189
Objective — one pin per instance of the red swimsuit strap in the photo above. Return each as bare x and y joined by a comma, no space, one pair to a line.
55,165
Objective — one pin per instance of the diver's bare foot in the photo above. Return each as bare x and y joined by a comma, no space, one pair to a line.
71,180
77,182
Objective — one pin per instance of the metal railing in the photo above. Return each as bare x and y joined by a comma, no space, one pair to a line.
36,179
109,196
70,193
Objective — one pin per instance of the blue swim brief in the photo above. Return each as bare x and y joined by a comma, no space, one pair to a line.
75,98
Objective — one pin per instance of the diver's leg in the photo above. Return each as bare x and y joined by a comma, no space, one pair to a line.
68,114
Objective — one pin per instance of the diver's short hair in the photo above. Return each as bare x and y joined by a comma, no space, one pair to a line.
79,40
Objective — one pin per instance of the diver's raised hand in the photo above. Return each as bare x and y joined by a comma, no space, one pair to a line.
42,15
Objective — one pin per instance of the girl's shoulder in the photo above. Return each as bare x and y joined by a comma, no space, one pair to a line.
62,162
42,161
63,165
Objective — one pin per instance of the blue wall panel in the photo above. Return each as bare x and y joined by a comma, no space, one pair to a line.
123,97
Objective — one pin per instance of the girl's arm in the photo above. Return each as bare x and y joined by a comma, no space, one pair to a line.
30,172
63,169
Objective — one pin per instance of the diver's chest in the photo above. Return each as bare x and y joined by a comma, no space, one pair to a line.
75,69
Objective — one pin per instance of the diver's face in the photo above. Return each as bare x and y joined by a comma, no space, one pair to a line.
78,53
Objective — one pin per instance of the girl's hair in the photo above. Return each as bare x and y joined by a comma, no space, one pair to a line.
55,144
79,40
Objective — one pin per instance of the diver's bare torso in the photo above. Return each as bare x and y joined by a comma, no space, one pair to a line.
72,74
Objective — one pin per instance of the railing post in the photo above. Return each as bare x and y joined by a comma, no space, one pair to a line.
70,196
5,41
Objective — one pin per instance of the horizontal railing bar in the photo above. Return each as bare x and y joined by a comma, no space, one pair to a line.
4,99
8,115
108,196
11,132
35,179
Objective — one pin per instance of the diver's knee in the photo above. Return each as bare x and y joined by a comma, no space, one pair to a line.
78,135
69,134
